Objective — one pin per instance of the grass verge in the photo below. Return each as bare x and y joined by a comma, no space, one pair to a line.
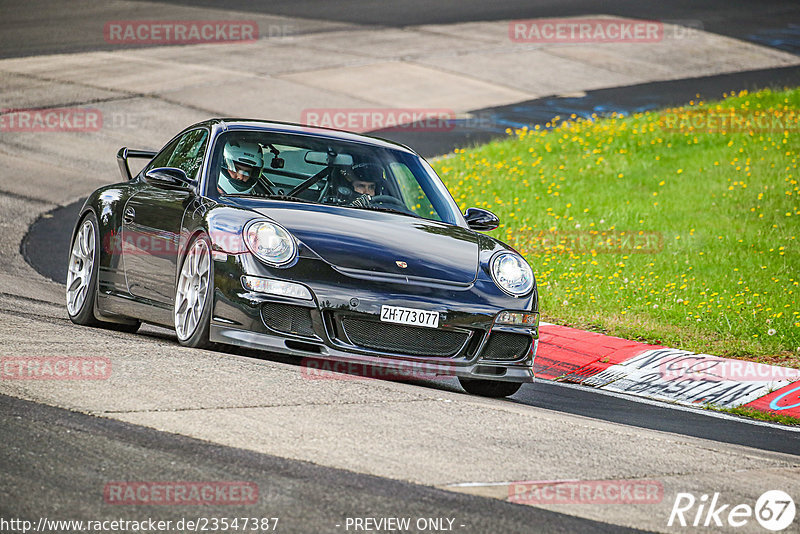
674,227
758,414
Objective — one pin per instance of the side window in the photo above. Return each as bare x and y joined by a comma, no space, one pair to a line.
413,195
162,158
189,152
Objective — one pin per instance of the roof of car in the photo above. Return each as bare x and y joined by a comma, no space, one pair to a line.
304,129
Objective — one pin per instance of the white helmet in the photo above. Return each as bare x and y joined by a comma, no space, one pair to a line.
240,157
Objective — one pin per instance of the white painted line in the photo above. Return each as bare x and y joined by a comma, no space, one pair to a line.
679,407
482,484
478,484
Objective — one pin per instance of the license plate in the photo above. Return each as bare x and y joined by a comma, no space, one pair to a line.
412,316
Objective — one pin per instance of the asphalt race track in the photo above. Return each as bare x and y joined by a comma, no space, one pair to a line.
322,452
767,24
299,493
48,242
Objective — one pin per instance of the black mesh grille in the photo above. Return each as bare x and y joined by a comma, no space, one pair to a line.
506,346
288,319
400,339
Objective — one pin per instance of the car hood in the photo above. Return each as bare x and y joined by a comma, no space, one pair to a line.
360,242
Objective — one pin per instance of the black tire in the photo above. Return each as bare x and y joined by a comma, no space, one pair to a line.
198,335
489,388
83,313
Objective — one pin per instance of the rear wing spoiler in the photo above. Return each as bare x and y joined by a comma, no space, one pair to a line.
125,153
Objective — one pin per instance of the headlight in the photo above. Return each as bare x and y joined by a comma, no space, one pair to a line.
271,243
512,274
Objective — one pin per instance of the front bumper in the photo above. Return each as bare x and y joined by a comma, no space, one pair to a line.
419,369
317,328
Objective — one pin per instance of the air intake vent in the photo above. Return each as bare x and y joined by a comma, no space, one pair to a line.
288,319
400,339
506,346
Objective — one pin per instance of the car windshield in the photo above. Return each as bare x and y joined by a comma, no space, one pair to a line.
302,168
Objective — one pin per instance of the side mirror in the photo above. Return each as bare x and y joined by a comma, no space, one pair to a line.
169,176
481,220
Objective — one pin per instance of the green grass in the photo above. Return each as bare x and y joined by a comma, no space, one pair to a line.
758,414
715,214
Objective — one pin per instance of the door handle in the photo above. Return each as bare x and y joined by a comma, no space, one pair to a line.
129,215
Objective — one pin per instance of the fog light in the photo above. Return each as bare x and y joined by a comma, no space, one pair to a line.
276,287
518,319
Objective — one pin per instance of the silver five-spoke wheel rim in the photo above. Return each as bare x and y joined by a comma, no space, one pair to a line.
81,263
192,290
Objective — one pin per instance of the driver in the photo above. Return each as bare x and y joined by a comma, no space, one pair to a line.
241,167
364,179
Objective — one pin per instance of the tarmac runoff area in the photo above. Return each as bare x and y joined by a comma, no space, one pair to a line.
146,95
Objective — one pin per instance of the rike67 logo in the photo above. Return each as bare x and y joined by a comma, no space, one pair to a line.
774,510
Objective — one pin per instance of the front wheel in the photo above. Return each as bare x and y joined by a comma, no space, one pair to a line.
489,388
192,310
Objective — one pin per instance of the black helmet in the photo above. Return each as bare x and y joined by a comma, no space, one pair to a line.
368,172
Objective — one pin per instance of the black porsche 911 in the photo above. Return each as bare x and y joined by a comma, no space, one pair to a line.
309,242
